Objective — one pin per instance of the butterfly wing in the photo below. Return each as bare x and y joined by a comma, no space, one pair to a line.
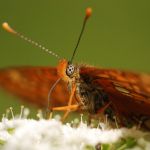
33,85
129,92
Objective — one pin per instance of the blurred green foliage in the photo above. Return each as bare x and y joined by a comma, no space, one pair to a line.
117,35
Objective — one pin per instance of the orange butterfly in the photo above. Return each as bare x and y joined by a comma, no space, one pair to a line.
117,93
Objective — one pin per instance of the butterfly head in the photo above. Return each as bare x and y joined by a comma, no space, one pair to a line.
66,70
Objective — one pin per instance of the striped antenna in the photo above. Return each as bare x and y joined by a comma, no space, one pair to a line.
6,26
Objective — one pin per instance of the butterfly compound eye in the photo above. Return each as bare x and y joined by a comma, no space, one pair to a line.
70,70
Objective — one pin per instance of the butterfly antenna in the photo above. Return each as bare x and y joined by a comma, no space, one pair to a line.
6,26
88,14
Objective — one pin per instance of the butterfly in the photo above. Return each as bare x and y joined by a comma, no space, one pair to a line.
70,87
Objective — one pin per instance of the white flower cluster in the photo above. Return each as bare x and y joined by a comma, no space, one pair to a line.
23,134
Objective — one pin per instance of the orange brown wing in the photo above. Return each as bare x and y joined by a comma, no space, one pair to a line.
129,92
33,84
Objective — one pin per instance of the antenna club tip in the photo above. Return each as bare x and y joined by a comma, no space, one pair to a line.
88,12
6,26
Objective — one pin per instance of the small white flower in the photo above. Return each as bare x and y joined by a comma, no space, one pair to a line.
44,134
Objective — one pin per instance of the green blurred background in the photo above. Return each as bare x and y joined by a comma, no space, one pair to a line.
117,35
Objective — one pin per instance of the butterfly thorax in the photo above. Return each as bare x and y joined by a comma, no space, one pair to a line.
93,97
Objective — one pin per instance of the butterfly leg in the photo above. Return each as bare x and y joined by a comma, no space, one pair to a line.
100,111
69,107
118,117
104,108
69,102
64,108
